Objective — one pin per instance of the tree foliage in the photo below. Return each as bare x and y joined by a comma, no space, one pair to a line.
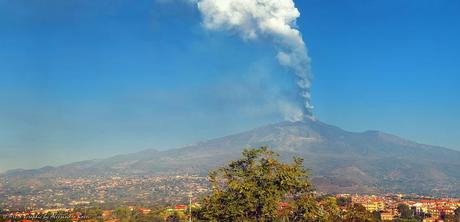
457,215
405,212
344,201
357,213
252,188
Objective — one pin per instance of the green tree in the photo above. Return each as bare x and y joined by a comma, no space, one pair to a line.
124,214
376,215
457,215
357,213
150,217
330,210
174,217
251,188
343,201
94,214
405,212
305,208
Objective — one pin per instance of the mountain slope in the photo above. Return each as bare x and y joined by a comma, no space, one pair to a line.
340,161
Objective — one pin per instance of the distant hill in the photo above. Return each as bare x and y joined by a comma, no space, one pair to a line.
340,161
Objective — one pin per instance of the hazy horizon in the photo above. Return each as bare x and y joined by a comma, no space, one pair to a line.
82,79
177,147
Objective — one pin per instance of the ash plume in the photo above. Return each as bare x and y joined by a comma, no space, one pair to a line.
267,19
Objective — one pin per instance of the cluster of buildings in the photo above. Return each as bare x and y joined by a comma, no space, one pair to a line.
105,191
63,195
72,214
430,209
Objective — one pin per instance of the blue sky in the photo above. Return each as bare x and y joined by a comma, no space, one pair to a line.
86,79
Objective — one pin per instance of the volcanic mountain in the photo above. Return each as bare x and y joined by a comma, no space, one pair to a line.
340,161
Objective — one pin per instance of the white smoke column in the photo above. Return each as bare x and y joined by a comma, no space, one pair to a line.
270,19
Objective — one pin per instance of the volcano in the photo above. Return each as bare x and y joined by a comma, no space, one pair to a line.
339,161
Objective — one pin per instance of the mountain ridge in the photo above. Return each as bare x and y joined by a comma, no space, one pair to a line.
340,161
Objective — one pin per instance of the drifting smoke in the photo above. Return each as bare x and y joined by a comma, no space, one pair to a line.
270,19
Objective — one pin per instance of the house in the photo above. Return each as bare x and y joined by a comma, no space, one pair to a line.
387,216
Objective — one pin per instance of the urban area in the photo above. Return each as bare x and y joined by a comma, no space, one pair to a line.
175,198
